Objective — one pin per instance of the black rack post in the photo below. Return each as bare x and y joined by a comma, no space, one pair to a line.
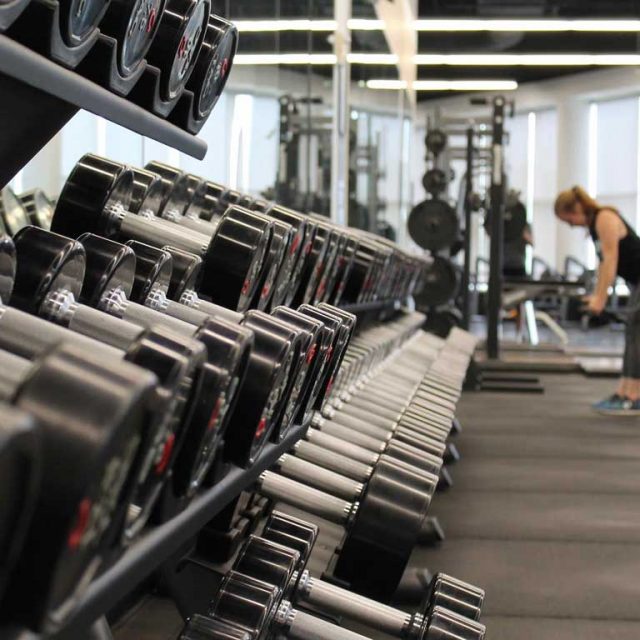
497,228
468,217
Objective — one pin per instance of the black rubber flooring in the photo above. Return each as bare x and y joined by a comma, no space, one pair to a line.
545,514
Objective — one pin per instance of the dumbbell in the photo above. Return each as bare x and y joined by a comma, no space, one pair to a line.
385,521
177,44
79,19
171,358
280,556
95,199
184,189
261,610
20,470
38,206
13,215
153,277
213,66
96,443
134,26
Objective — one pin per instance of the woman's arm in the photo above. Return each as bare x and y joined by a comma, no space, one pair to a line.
610,229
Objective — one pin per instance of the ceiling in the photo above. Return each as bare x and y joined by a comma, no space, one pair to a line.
484,42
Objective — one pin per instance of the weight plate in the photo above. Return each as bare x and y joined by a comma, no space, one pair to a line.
289,531
134,27
315,340
80,18
213,67
94,196
245,602
76,510
12,212
148,193
435,182
7,268
153,271
441,321
46,263
262,393
436,141
298,339
268,562
205,628
236,258
177,44
38,206
279,248
20,469
186,273
441,283
433,225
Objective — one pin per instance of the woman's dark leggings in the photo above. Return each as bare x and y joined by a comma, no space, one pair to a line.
631,362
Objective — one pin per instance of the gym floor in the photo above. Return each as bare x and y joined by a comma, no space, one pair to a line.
544,513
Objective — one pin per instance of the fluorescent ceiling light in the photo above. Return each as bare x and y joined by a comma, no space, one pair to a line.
528,60
529,25
373,58
446,85
313,58
262,26
456,60
285,58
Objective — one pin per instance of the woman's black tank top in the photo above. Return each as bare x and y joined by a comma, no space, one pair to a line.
628,251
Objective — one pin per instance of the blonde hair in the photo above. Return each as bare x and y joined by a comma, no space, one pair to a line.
568,199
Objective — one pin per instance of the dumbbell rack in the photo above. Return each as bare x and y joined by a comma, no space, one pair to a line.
39,97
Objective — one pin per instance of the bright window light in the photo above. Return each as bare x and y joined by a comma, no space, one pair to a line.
638,173
445,85
240,151
592,180
373,58
101,136
531,178
17,184
264,26
528,59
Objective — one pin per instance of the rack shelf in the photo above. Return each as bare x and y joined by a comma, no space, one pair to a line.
40,96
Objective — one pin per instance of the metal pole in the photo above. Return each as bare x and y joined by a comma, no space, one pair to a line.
497,229
341,114
468,219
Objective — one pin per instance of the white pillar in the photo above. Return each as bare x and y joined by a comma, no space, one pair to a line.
573,169
341,114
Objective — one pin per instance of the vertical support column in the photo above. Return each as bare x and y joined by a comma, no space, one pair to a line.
341,114
573,169
497,229
468,221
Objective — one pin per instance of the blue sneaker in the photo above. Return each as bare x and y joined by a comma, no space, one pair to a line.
616,405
